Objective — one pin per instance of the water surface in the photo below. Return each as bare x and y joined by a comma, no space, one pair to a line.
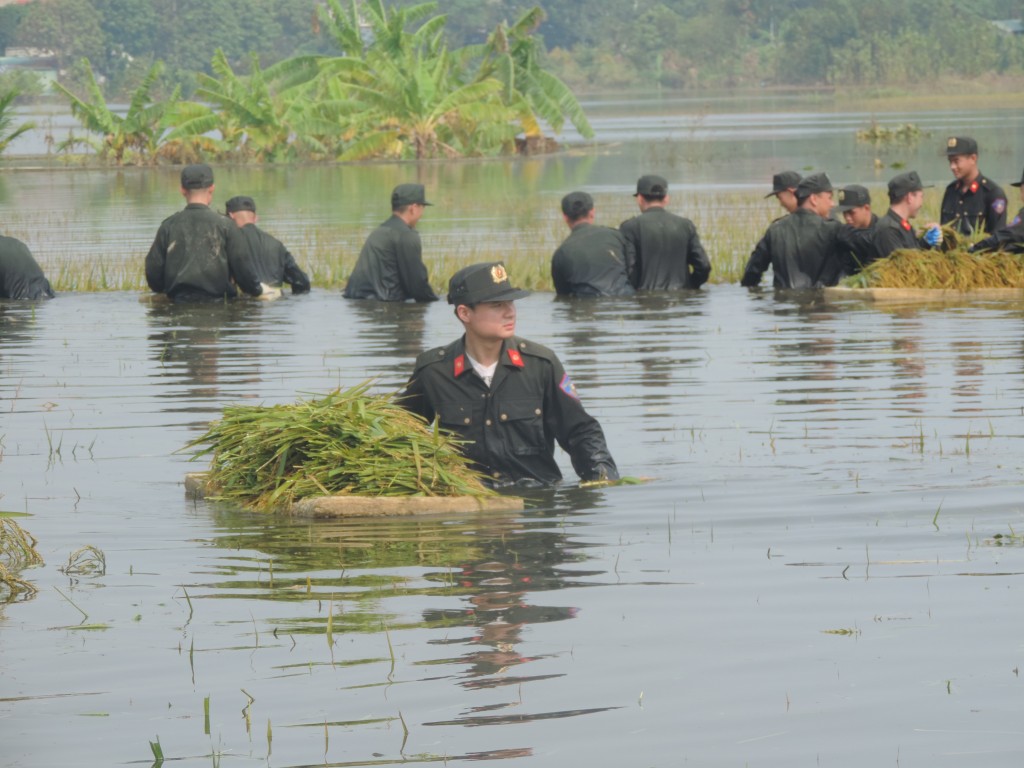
813,577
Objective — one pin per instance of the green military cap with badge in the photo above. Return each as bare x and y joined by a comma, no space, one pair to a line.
961,145
481,283
852,196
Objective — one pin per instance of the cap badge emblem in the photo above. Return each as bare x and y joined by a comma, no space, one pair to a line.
951,142
842,196
498,273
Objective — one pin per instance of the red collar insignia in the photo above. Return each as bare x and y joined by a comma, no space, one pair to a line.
516,358
905,224
460,365
974,186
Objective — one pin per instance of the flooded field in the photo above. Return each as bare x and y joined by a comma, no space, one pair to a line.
825,570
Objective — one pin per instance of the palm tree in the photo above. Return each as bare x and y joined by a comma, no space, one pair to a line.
139,131
8,133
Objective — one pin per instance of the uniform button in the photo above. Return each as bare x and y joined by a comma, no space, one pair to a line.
441,353
497,475
488,422
522,345
504,417
537,411
466,420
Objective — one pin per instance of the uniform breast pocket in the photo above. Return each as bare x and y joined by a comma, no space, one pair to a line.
523,421
460,416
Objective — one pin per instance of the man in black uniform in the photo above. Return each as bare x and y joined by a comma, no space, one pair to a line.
784,189
273,263
591,261
509,398
199,255
665,248
1009,238
390,265
805,249
972,202
894,230
20,275
854,203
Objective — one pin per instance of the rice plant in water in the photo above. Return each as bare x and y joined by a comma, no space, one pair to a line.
17,551
342,443
955,269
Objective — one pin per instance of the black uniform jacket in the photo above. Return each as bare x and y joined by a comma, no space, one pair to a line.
663,252
513,424
390,266
1009,238
199,254
591,261
273,263
804,251
862,244
892,233
982,204
20,275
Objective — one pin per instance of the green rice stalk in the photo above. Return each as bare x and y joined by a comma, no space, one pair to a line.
342,443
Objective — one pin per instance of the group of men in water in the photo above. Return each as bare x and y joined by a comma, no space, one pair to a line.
510,399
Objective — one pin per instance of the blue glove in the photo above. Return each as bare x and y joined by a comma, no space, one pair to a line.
933,236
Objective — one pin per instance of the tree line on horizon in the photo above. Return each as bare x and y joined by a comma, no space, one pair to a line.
589,44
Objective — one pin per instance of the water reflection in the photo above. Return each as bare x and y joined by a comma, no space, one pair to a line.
204,352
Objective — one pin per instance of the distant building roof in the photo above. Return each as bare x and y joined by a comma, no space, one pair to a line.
1013,26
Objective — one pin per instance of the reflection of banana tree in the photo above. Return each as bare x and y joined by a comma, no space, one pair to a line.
7,132
253,119
138,131
512,56
416,106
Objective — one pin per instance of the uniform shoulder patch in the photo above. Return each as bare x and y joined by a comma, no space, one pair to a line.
568,387
999,206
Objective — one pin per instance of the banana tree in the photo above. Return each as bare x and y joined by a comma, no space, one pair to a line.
512,55
8,133
136,135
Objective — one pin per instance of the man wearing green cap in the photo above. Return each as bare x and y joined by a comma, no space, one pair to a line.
853,202
20,275
591,261
1011,237
807,248
390,265
274,264
972,202
784,189
663,249
894,230
199,255
509,398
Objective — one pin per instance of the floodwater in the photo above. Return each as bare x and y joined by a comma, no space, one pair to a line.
823,571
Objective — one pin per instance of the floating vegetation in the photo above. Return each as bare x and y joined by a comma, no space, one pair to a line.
85,561
844,631
345,443
17,551
955,269
905,133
